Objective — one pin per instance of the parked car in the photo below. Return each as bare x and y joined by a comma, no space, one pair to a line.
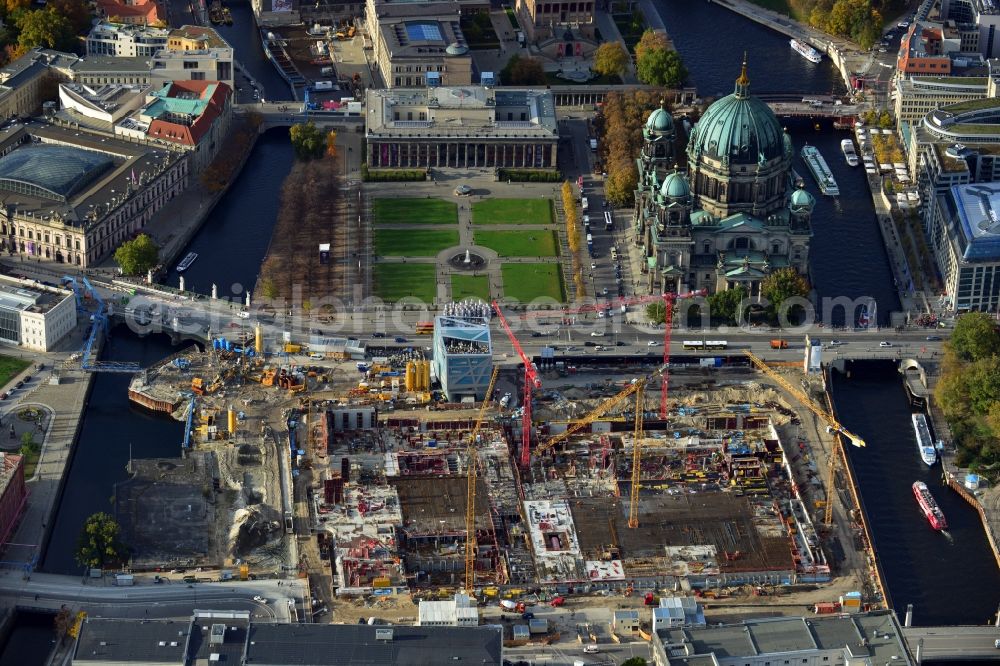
4,395
591,649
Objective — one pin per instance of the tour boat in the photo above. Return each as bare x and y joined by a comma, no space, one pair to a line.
927,451
820,171
932,512
187,261
806,51
850,155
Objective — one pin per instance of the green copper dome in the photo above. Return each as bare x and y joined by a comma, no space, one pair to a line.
660,120
738,127
802,199
675,186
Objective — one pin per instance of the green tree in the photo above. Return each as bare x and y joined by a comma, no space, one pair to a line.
28,444
523,71
983,379
725,305
610,59
268,289
45,27
975,336
99,543
782,285
137,256
651,40
634,661
659,67
308,141
656,312
76,11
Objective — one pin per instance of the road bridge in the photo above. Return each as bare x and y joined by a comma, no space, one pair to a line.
977,643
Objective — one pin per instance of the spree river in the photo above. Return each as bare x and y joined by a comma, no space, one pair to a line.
847,259
950,578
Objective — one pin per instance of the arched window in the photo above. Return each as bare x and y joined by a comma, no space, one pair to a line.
776,247
741,243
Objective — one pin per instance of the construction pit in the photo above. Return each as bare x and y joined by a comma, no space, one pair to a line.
717,507
374,483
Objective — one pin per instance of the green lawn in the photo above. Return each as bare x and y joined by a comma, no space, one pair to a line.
526,282
414,211
394,281
413,242
10,367
522,243
470,286
512,211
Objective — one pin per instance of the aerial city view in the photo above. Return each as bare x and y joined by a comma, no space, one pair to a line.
510,332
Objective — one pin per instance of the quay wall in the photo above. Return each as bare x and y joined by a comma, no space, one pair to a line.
950,479
833,47
50,517
171,251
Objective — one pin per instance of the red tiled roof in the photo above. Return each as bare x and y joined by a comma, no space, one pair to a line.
148,10
191,135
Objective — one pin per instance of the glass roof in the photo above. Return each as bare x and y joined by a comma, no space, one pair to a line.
59,171
424,32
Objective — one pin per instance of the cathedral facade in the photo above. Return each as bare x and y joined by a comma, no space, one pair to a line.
735,215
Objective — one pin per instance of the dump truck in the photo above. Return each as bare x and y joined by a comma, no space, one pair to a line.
779,344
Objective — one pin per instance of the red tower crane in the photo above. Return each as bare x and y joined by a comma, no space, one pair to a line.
531,382
668,299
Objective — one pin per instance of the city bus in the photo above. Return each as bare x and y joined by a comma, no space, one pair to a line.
424,328
609,222
705,344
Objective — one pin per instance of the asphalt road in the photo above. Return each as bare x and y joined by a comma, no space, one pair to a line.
145,599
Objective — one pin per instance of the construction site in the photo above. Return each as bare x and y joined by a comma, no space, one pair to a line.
361,476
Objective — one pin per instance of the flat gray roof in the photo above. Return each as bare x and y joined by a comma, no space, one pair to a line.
126,641
361,645
732,640
782,635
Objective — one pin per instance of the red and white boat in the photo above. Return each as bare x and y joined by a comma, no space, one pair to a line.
932,512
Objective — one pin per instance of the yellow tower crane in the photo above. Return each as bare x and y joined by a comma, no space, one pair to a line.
597,412
824,416
633,504
470,499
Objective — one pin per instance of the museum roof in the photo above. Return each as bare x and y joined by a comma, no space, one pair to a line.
461,112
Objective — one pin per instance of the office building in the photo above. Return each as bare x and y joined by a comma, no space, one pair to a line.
980,17
917,96
965,239
461,127
859,638
35,316
232,637
463,357
122,40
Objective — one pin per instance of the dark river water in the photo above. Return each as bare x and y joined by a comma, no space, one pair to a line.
950,578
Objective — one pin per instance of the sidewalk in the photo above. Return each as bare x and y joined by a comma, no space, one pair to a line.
66,401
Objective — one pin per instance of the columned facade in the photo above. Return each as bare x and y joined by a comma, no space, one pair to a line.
426,154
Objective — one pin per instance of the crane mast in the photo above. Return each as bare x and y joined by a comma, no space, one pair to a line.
470,498
531,382
824,416
633,504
